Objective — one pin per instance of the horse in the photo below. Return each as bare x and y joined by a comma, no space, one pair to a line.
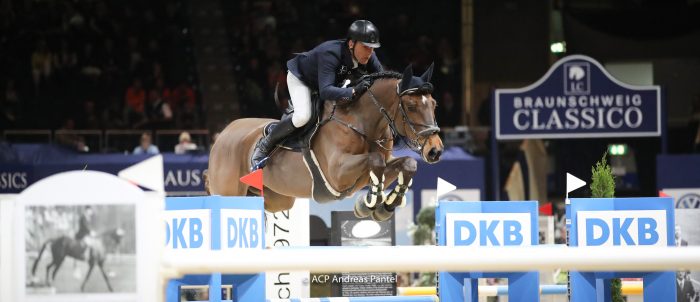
351,145
63,246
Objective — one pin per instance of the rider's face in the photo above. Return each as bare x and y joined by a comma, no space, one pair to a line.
362,52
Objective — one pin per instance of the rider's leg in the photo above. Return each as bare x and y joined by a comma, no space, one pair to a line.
301,96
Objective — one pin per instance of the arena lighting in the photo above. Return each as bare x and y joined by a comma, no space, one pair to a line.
558,47
618,149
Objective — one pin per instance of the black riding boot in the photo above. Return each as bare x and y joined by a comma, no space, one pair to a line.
267,143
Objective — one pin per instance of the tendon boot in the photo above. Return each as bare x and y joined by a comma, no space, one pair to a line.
266,144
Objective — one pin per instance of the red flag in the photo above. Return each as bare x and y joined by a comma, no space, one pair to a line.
662,194
546,209
254,179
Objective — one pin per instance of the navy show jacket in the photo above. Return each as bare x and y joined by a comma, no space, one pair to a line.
327,66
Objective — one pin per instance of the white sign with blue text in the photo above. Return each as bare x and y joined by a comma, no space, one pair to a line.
488,229
477,224
241,229
188,229
622,228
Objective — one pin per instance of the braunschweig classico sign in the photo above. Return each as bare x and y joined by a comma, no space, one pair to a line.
578,98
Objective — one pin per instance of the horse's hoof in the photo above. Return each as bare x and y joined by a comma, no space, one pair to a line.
361,210
381,213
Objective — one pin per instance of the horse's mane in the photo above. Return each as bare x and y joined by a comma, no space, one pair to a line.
388,74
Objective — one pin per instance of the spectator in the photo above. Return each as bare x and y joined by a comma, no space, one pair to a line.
89,119
69,139
41,64
158,111
146,146
189,117
135,100
10,104
185,144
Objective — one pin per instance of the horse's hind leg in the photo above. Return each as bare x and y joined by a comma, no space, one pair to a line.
102,269
401,169
57,264
48,268
87,276
275,202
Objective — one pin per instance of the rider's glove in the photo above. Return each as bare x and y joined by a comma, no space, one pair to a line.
360,88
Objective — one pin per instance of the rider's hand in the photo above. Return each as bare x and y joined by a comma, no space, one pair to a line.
360,88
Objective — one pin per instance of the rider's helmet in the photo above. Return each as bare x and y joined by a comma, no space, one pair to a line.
365,32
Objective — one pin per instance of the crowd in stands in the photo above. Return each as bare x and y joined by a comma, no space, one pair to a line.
96,64
127,64
264,34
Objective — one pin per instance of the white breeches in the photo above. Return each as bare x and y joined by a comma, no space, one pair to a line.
300,96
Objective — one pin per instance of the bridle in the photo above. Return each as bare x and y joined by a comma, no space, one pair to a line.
413,143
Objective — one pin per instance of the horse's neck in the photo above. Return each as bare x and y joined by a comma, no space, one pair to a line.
368,114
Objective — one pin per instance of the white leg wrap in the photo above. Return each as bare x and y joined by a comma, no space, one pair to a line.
377,188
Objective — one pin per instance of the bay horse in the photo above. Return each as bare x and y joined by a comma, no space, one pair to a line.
65,246
352,146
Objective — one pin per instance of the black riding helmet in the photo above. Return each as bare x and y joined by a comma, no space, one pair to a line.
365,32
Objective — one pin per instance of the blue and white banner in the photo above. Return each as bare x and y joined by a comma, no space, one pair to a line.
577,98
15,178
622,221
214,223
466,223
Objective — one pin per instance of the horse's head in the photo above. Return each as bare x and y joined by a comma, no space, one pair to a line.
417,107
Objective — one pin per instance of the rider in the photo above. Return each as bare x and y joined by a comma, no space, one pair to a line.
328,69
84,229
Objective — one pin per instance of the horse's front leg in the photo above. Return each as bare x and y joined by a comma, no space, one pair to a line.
402,170
375,196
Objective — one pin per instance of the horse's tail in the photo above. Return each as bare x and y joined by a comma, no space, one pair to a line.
205,175
36,262
277,98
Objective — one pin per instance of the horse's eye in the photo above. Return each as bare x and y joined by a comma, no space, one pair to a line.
411,108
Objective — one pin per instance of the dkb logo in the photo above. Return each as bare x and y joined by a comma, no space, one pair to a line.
622,228
188,229
488,229
241,229
577,78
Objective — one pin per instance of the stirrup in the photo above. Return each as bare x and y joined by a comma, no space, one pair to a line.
260,164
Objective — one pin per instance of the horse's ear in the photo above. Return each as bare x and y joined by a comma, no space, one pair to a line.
407,77
428,73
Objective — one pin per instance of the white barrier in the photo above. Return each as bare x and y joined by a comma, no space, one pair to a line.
437,258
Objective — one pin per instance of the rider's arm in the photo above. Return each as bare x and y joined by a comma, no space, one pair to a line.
374,62
327,63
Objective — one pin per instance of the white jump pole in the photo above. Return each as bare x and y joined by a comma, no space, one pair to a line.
435,258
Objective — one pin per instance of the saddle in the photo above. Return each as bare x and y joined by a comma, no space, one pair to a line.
300,141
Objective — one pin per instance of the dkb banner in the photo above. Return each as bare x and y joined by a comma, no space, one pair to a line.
215,223
600,222
482,224
577,98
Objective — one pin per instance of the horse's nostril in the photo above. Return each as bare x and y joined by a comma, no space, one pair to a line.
434,153
439,152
